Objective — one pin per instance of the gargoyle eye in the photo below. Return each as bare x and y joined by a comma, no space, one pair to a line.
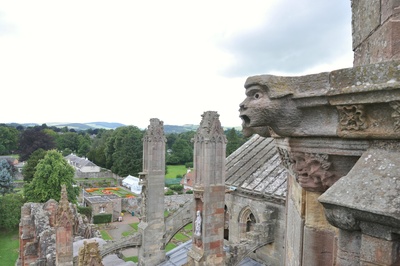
257,95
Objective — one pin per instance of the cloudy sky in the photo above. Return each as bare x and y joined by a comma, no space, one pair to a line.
129,61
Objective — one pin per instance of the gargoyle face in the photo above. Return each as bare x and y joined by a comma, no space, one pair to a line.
262,115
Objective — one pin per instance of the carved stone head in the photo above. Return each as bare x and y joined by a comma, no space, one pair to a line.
268,110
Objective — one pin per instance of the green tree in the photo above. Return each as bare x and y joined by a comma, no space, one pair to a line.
9,137
32,139
29,169
234,140
97,152
6,177
182,149
68,140
10,206
124,151
51,172
84,143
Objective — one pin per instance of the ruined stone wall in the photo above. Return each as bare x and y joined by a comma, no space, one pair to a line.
269,228
37,233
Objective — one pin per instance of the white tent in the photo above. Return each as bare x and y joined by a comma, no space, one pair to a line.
132,183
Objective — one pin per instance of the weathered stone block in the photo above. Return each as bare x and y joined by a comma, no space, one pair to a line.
365,19
379,251
319,247
348,248
382,45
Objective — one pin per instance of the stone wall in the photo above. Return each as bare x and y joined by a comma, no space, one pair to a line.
37,233
269,228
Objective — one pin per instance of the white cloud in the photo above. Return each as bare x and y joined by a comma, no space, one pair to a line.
129,61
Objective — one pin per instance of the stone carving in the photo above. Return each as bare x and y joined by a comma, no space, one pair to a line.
396,114
342,219
64,216
210,128
197,222
311,171
267,108
89,254
155,131
352,117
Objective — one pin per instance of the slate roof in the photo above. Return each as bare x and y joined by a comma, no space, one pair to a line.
255,168
78,161
178,257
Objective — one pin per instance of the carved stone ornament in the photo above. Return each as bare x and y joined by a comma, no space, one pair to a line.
198,195
155,131
342,219
210,129
396,114
311,170
89,254
64,216
352,117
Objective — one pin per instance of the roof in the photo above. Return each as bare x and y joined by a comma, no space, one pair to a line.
97,199
178,256
256,168
78,161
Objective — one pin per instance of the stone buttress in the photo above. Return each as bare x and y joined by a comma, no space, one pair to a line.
209,193
152,226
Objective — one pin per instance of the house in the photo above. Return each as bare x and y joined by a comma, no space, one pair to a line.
82,164
132,183
187,180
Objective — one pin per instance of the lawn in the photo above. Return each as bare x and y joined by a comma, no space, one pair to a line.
9,246
105,235
134,259
170,246
175,170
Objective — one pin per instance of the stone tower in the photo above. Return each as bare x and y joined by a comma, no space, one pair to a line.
64,231
152,179
209,193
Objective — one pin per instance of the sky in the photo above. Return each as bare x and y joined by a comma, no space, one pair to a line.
130,61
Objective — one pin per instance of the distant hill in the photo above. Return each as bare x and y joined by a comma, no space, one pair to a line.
168,129
179,129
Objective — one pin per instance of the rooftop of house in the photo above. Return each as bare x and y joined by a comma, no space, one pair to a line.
79,161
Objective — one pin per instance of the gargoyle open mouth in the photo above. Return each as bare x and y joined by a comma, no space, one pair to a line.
245,120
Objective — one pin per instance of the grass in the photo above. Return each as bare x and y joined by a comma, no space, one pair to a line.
9,245
134,226
175,170
128,233
105,235
170,246
134,259
188,227
181,237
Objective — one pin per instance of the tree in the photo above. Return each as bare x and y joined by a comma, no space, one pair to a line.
68,140
28,171
6,177
124,151
32,139
9,137
234,140
182,149
10,206
84,143
96,153
51,172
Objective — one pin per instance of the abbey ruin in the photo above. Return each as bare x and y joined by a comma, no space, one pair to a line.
316,184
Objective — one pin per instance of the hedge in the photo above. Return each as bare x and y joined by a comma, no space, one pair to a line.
102,218
86,211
